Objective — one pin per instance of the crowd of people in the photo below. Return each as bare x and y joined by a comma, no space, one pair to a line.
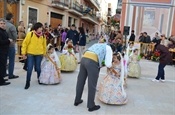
39,51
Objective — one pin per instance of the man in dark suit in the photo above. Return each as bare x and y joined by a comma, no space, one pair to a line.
4,47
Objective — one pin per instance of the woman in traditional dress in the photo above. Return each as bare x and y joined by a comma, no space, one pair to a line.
111,89
50,68
67,58
134,69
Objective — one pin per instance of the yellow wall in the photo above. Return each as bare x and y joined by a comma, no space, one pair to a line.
42,10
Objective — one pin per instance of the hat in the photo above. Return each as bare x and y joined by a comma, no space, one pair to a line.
73,25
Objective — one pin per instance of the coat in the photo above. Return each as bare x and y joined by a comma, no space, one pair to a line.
4,41
165,55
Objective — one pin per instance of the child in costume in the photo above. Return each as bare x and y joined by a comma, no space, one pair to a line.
111,89
50,67
134,69
67,58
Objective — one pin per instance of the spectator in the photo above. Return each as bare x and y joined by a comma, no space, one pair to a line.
73,35
141,37
164,40
132,37
33,48
21,30
147,38
12,34
119,36
156,37
81,42
63,38
30,27
4,47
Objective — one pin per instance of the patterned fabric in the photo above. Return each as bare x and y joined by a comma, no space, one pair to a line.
100,50
68,62
49,74
134,69
110,89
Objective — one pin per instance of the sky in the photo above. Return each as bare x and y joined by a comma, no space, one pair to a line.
114,5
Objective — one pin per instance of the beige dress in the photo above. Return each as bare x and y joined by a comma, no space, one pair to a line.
134,69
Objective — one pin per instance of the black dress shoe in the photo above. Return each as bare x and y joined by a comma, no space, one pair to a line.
27,85
5,79
13,77
40,82
77,103
96,107
5,83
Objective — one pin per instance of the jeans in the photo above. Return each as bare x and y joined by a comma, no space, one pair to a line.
33,60
11,55
161,73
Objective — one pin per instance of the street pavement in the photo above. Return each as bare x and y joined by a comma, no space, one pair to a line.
145,97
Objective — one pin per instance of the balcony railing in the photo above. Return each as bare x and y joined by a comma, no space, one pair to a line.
61,2
93,17
97,3
77,7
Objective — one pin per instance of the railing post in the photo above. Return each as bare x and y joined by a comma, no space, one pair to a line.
5,8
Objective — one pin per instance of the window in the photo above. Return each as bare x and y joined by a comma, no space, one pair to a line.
69,22
32,15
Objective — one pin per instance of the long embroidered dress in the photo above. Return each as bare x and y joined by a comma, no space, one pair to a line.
134,69
111,90
68,60
49,73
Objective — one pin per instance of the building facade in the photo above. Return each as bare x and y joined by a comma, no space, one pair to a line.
7,6
149,16
54,12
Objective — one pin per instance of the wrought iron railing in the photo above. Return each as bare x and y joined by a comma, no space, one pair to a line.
97,3
61,2
77,7
93,16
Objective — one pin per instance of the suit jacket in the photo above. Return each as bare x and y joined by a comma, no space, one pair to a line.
4,41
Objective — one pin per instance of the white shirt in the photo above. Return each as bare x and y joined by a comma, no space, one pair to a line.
108,57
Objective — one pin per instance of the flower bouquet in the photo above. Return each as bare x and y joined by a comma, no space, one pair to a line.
155,56
69,47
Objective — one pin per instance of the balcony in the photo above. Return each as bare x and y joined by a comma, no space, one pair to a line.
94,3
90,18
76,9
60,4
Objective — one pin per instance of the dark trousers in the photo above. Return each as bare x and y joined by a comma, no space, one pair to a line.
3,64
161,73
62,45
90,69
31,61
